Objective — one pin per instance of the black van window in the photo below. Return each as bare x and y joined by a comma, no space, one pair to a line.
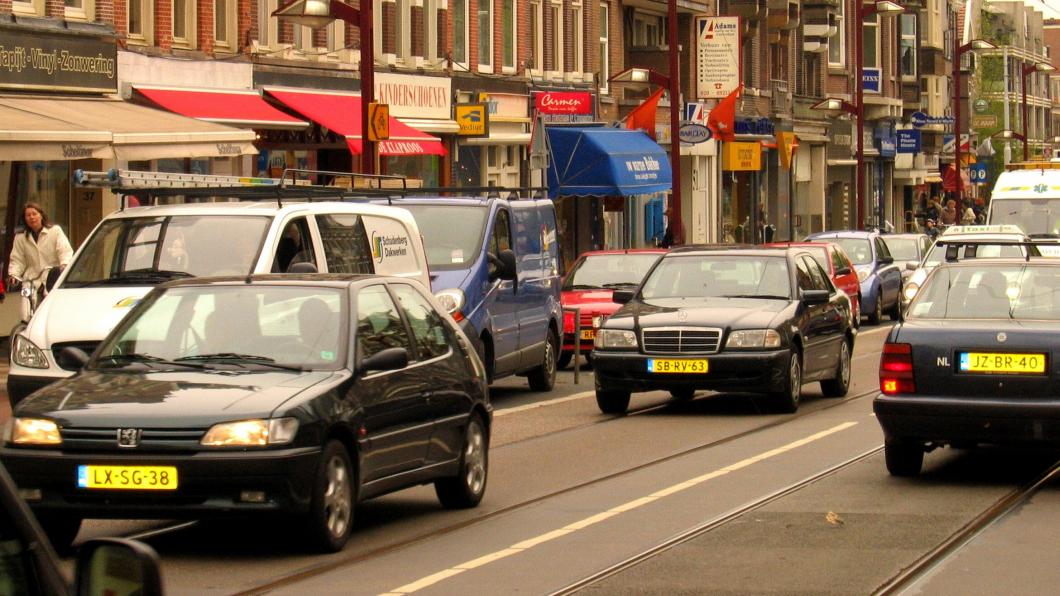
502,233
346,248
295,246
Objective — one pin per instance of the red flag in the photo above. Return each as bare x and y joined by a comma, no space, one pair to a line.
643,116
721,120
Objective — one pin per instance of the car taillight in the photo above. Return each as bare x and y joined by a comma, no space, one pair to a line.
568,322
896,369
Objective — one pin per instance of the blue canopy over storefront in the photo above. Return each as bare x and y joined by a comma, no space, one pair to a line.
601,161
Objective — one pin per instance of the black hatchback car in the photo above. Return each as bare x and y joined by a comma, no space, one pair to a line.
974,361
741,320
299,395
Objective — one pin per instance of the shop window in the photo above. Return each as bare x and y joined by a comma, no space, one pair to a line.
46,183
509,35
140,22
79,10
485,35
605,49
537,36
184,23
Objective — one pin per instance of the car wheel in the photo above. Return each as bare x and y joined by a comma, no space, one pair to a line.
331,510
612,402
877,311
564,360
465,490
543,378
903,458
838,386
857,312
787,400
896,311
61,531
683,394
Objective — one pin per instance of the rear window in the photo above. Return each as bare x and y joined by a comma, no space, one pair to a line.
1030,292
858,249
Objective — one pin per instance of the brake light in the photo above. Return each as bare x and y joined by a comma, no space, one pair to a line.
568,322
896,369
457,315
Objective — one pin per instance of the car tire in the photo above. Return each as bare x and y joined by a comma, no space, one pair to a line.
787,400
683,394
564,360
895,312
857,312
840,384
877,310
612,401
465,490
61,531
543,378
330,517
903,458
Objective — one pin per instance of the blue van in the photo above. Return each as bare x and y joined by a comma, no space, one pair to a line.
494,264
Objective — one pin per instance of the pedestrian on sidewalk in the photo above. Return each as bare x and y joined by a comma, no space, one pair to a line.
40,247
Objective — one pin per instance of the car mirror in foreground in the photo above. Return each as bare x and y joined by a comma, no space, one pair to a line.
388,359
815,296
117,566
843,271
912,265
72,358
886,260
621,296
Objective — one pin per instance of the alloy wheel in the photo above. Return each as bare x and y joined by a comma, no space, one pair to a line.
338,502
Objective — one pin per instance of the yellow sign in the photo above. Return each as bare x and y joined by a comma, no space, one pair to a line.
378,121
474,119
741,157
787,143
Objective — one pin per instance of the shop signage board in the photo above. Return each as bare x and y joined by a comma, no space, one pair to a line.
741,156
919,119
870,80
694,133
42,60
984,121
411,96
909,141
697,113
474,119
981,105
378,121
718,56
565,107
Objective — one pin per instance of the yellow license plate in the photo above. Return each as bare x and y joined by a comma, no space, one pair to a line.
677,366
127,477
991,362
588,334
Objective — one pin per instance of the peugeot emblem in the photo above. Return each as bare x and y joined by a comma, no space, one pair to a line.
682,316
1001,337
129,437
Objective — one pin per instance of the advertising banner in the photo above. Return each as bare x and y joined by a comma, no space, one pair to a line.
564,102
870,80
718,56
41,60
909,141
741,156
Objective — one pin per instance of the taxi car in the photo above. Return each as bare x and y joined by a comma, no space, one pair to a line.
880,277
588,287
276,394
974,361
834,260
759,320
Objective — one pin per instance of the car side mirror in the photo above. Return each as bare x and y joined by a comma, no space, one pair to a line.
815,296
388,359
622,296
53,276
303,267
71,358
912,265
886,260
502,265
117,566
843,271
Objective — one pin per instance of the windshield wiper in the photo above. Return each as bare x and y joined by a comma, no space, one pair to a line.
584,287
763,296
250,358
128,358
621,284
143,275
1045,235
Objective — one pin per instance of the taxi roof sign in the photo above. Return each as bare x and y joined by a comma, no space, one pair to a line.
984,229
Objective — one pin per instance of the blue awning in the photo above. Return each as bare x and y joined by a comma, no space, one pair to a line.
602,161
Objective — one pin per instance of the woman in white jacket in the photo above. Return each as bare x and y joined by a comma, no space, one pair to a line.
42,246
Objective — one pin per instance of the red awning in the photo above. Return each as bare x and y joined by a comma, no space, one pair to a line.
949,179
245,109
341,113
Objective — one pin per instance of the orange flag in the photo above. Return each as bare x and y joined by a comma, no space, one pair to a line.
643,116
722,118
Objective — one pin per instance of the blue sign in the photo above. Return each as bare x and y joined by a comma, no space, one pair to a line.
908,141
977,172
919,119
870,80
754,126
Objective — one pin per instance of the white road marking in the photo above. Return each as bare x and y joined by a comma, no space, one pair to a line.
876,330
519,547
542,404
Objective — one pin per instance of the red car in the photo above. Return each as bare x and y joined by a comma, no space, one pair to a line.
838,265
588,286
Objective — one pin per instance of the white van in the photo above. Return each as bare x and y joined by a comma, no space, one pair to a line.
1028,195
134,249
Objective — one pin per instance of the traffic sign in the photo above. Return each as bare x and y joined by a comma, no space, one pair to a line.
474,119
378,121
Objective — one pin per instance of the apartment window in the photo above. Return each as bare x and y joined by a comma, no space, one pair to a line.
140,22
748,66
605,59
485,35
81,10
871,41
224,23
907,45
555,50
184,23
577,23
28,7
837,44
510,32
537,36
648,30
402,29
460,31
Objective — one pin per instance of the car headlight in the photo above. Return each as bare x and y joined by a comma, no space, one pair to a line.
452,300
34,431
597,321
251,433
615,339
910,290
863,274
25,353
752,339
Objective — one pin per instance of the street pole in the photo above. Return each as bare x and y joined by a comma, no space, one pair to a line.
367,68
675,122
1023,87
957,112
859,106
1008,126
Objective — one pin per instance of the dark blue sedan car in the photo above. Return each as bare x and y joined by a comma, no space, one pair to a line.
880,277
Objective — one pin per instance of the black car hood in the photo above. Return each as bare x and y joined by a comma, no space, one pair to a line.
167,399
735,313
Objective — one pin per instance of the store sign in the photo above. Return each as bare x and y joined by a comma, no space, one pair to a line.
473,118
870,80
981,105
984,121
42,60
754,126
694,133
919,119
718,56
741,157
978,173
564,102
909,141
411,96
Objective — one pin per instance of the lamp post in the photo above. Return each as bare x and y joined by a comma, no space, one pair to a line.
1024,73
958,51
320,13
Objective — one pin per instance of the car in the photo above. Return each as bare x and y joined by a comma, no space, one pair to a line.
973,361
980,241
881,280
834,260
298,395
907,251
589,285
757,320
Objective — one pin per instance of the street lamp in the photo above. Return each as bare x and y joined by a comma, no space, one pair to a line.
958,50
319,13
1025,72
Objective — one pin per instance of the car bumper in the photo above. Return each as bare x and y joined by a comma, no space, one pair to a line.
207,483
752,372
955,419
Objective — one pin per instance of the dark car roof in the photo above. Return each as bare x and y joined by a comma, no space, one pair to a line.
336,280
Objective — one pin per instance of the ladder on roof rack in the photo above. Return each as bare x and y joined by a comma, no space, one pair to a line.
132,179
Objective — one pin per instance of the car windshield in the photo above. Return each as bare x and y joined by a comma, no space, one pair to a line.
149,250
246,326
902,249
610,271
1023,291
937,254
1038,218
452,234
732,276
858,249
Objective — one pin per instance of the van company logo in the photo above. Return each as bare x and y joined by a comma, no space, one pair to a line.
76,151
389,246
229,149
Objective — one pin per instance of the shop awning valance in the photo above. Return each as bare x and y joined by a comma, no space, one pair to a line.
600,161
341,113
242,108
64,128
